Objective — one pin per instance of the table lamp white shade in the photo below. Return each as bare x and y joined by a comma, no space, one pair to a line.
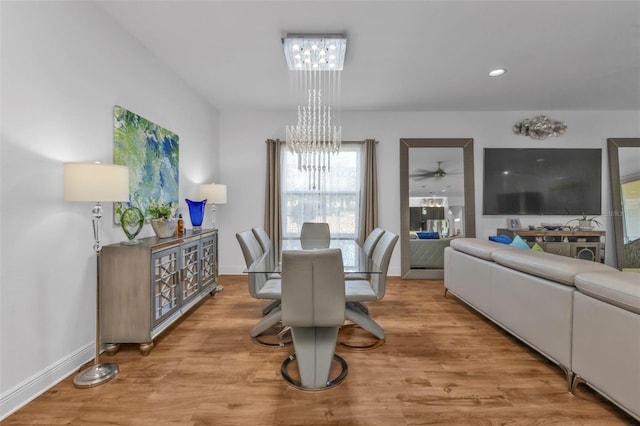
214,193
95,182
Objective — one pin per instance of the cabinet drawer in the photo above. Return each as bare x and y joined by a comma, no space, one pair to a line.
563,249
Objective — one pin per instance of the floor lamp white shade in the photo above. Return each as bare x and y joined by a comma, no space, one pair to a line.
95,182
214,193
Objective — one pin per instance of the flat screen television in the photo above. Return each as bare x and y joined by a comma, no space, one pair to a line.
541,181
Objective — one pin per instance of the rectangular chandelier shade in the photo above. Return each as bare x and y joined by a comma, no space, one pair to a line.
95,182
315,52
214,193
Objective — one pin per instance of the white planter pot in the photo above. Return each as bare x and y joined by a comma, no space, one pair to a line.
585,224
164,228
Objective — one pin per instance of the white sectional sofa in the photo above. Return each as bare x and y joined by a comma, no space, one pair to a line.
584,316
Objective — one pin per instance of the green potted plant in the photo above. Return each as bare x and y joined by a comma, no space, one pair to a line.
585,222
162,218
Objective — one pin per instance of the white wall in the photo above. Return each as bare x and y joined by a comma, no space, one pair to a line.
64,66
242,136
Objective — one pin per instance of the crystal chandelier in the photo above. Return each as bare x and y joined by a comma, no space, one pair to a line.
316,61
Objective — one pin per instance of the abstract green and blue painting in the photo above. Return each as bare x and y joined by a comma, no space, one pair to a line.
151,153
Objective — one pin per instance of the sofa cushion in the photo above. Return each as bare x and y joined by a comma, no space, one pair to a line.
536,247
621,289
478,248
502,238
428,235
553,267
518,242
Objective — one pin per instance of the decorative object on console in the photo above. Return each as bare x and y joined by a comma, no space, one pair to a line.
96,182
551,226
540,127
131,221
214,193
151,153
196,213
163,220
585,223
514,223
315,136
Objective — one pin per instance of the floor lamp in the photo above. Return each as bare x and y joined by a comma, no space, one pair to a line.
96,182
214,193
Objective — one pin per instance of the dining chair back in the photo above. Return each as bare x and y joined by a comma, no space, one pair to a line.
315,235
360,291
313,305
263,238
252,251
371,241
265,243
382,256
261,286
368,246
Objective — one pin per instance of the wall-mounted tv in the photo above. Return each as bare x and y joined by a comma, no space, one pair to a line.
540,181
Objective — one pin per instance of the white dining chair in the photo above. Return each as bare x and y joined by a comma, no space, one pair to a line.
360,291
315,235
260,286
368,246
265,242
313,306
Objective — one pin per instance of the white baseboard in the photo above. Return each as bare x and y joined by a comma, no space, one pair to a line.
230,270
25,392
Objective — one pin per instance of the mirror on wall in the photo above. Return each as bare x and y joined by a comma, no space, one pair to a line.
436,202
624,169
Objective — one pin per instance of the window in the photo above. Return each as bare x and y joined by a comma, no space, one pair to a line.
335,201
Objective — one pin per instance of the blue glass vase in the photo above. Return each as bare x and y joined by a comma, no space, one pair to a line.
196,213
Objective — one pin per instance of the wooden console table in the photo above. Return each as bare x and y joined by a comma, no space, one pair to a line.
146,287
587,245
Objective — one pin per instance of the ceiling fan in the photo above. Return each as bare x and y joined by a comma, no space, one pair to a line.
422,174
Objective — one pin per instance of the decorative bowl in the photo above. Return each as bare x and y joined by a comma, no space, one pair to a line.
164,228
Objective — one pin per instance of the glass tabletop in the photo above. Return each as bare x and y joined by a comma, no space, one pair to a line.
355,260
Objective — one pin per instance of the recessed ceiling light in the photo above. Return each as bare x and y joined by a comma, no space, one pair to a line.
497,72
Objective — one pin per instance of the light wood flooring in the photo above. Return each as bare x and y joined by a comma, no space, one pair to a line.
441,363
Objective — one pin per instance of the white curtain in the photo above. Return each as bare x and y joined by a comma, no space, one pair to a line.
332,196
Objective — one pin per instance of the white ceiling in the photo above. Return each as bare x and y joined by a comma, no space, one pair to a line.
403,55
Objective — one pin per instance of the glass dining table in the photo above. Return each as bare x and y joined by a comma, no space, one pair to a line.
354,259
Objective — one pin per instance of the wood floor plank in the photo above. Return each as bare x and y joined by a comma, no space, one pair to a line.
441,363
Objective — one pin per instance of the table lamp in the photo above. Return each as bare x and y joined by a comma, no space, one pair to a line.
96,182
214,193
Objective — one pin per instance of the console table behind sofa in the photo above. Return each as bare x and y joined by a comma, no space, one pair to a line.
586,245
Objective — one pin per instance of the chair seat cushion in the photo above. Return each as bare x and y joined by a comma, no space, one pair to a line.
358,291
621,289
272,289
356,276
